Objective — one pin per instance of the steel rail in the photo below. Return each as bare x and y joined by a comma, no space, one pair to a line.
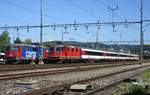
6,68
51,90
40,72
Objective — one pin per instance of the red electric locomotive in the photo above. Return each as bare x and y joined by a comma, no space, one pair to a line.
23,53
65,53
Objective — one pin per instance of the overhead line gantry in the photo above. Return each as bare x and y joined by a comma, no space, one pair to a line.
70,25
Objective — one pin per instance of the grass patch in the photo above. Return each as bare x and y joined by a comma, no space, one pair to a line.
146,74
141,88
135,90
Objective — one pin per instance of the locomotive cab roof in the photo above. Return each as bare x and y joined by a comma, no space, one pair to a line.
23,45
66,46
28,45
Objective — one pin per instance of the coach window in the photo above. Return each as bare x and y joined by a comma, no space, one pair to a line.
113,54
72,49
121,55
105,54
62,49
58,49
94,53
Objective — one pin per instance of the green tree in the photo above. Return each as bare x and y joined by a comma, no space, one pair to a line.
4,40
17,41
28,41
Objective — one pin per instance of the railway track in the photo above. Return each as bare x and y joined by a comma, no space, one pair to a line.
30,72
8,67
95,82
104,87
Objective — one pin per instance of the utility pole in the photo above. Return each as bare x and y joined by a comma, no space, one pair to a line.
41,32
63,32
141,34
62,35
120,42
112,10
97,37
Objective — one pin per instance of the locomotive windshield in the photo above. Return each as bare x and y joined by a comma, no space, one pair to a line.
52,49
58,49
13,48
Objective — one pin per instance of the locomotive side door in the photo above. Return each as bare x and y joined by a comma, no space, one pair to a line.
67,50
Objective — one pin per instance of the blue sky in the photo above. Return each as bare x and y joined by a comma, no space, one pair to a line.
23,12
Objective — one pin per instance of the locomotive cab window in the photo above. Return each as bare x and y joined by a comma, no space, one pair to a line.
62,49
34,49
58,49
8,48
14,48
52,49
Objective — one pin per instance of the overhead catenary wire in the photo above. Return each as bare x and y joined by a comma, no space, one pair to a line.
101,3
135,4
138,7
52,5
71,25
105,5
119,15
110,2
129,41
13,18
83,9
32,11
